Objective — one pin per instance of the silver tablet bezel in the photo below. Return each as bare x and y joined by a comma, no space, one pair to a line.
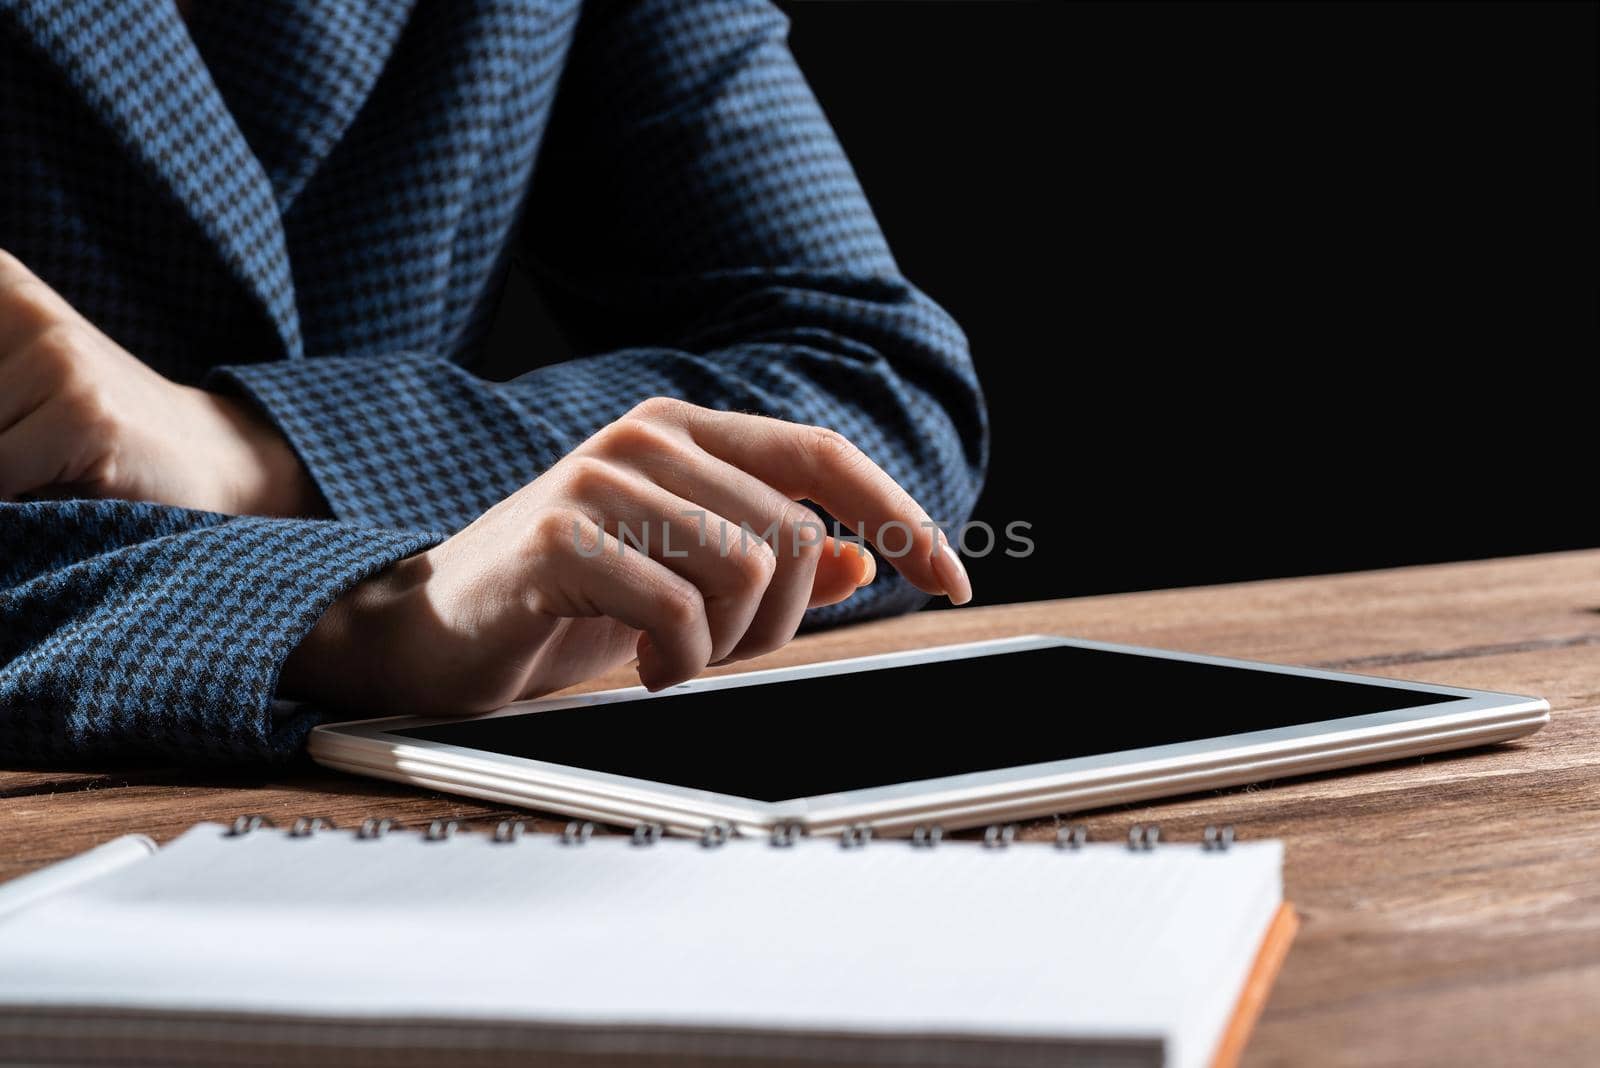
1478,717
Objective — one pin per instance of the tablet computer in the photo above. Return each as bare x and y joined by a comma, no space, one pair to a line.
954,736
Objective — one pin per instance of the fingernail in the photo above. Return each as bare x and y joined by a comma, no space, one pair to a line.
869,568
952,575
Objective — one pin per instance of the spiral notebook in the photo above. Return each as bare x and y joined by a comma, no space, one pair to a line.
251,945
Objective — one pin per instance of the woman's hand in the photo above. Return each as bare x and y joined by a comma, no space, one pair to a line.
717,563
79,416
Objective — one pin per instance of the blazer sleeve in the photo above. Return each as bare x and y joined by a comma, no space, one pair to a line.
130,629
696,232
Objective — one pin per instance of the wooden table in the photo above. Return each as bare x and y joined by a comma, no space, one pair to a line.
1450,904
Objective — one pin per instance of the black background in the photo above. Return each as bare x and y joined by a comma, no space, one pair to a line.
1254,290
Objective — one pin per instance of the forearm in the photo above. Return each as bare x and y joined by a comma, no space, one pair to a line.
366,645
258,472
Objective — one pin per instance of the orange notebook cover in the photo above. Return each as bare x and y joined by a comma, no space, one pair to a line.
1263,973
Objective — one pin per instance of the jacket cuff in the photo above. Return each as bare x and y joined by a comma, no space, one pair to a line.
399,440
325,560
177,644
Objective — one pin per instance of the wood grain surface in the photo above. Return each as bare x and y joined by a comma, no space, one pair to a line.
1450,905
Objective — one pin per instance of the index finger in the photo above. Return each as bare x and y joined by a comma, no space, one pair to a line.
822,465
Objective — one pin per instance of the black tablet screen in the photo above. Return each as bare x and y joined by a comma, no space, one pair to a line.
823,735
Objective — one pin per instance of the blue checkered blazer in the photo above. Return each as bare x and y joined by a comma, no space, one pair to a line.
313,205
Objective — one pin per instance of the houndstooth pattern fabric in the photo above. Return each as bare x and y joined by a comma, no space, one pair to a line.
137,630
313,206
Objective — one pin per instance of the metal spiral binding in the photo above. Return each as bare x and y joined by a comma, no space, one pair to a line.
998,836
243,825
1071,837
509,830
1142,838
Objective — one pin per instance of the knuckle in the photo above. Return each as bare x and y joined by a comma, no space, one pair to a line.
87,409
682,607
32,305
95,423
796,515
60,343
757,562
658,409
551,531
542,602
589,477
802,529
633,436
830,447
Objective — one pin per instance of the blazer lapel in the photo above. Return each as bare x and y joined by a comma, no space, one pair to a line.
135,64
295,74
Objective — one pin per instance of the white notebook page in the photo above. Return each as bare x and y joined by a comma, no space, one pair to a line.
1030,940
